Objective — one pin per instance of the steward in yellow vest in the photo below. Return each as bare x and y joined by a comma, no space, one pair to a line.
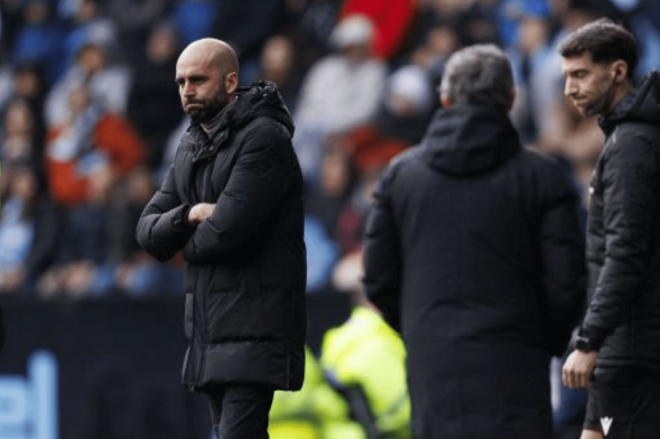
364,359
316,411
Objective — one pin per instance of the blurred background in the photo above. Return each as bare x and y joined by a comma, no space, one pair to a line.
89,122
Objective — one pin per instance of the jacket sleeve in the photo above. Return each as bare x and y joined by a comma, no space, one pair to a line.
162,229
382,265
259,180
630,196
563,263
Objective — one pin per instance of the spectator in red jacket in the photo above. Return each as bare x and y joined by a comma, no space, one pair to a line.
392,20
90,136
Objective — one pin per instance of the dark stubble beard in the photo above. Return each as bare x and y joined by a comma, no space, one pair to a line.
603,105
211,110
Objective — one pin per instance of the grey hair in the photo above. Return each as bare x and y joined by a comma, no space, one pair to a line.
481,75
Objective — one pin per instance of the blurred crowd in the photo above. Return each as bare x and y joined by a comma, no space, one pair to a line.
90,115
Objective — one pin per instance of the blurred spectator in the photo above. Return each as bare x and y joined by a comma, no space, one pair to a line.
279,63
512,12
407,104
317,411
171,146
6,81
529,54
87,22
327,195
28,230
82,267
343,195
153,103
352,218
22,136
135,273
40,39
355,80
130,198
29,83
477,23
438,44
135,16
362,354
322,254
25,80
474,20
325,198
392,20
88,137
108,80
247,26
314,21
135,20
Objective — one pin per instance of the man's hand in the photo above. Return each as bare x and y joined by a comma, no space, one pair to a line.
578,368
200,212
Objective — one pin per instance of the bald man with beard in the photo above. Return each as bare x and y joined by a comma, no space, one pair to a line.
232,204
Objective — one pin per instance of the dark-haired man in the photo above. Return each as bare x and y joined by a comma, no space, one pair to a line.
618,345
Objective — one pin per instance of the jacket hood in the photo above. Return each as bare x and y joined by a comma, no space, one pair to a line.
260,98
469,139
642,104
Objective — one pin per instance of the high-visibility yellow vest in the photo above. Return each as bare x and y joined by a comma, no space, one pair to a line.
366,353
316,411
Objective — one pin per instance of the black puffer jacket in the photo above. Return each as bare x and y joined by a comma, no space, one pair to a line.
246,272
623,234
474,251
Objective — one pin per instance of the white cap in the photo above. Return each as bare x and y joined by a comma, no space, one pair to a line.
355,29
413,84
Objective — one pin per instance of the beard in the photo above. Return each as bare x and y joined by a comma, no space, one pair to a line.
209,108
603,103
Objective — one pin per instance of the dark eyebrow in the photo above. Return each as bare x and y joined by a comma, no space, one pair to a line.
578,72
179,80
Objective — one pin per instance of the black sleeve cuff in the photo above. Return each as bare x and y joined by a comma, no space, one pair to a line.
181,217
585,344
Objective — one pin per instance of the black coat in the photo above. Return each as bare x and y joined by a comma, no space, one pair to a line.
473,250
623,234
245,272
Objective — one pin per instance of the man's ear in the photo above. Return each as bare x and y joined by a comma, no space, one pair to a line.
446,101
619,69
231,82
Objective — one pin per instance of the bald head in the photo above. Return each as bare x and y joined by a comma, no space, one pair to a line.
207,75
212,52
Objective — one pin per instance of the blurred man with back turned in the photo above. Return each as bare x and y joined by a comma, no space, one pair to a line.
474,252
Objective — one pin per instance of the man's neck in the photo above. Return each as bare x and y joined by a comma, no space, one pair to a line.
211,127
620,92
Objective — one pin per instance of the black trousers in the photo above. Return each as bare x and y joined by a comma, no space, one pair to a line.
624,403
240,411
